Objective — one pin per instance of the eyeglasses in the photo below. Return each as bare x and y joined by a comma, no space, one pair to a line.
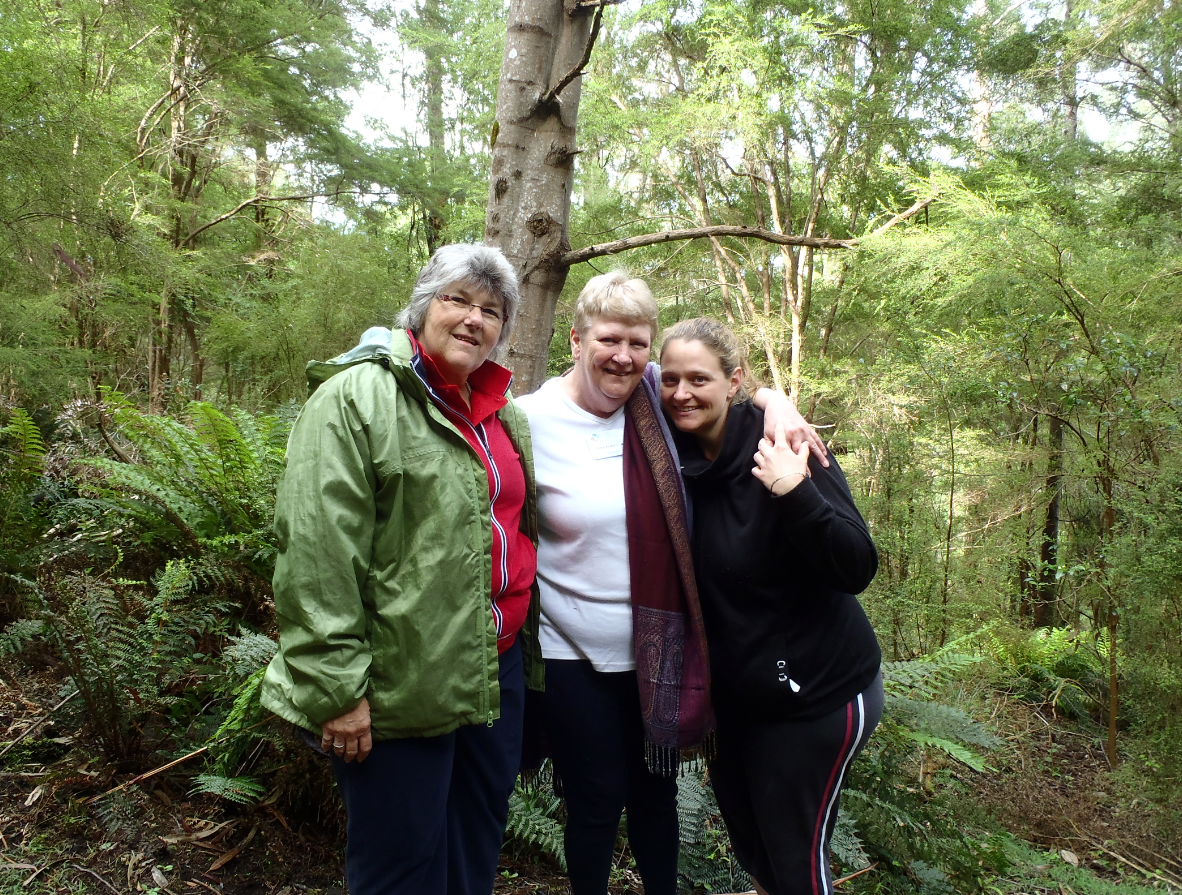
464,306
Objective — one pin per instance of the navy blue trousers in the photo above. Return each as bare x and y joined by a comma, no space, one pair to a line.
426,815
596,738
779,786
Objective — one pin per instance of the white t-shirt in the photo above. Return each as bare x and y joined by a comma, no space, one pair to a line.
583,536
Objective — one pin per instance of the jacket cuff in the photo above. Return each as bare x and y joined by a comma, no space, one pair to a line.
331,704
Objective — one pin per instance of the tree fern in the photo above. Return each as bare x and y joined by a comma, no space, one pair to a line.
130,653
209,479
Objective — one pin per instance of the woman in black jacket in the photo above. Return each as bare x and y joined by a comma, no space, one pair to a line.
779,552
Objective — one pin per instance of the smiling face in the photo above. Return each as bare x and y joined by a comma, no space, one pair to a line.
459,339
695,392
610,357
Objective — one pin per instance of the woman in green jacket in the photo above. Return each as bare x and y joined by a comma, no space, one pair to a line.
403,586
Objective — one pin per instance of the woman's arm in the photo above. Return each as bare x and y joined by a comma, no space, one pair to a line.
324,519
778,410
818,514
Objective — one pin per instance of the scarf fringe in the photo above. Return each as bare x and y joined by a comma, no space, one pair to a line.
669,761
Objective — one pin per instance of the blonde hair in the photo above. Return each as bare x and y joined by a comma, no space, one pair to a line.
613,296
718,340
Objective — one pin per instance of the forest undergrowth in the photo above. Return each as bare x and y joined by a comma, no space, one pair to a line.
1045,815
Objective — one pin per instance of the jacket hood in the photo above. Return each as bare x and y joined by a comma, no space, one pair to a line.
376,343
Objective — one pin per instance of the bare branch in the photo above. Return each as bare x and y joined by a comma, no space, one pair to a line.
635,242
257,200
582,64
904,215
64,257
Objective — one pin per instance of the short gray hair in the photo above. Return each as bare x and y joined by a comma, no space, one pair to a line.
613,296
477,267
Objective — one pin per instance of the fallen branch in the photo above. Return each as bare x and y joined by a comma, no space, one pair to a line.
846,879
82,869
1168,878
37,723
140,778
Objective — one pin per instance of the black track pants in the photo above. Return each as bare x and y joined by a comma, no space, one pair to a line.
779,785
592,719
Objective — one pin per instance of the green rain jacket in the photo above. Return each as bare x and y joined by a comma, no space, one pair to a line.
383,579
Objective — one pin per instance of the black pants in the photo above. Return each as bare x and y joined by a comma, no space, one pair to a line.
426,815
779,784
593,723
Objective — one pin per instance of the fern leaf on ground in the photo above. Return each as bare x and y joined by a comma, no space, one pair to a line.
239,790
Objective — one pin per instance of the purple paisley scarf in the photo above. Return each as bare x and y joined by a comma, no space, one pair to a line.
672,664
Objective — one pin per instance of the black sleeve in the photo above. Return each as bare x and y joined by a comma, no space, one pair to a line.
820,517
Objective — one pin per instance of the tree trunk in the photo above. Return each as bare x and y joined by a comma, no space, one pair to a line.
1046,603
1068,76
160,357
433,213
264,173
1112,616
533,167
197,374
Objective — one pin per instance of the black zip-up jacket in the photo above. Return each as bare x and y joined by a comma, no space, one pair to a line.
777,577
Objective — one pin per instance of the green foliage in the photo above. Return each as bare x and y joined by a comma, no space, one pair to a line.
205,483
22,517
537,818
1056,666
131,653
20,634
239,790
913,832
705,860
248,653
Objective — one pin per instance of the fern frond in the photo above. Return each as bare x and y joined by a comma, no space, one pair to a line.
940,720
955,750
250,653
239,790
246,705
20,634
533,823
26,447
846,845
705,859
